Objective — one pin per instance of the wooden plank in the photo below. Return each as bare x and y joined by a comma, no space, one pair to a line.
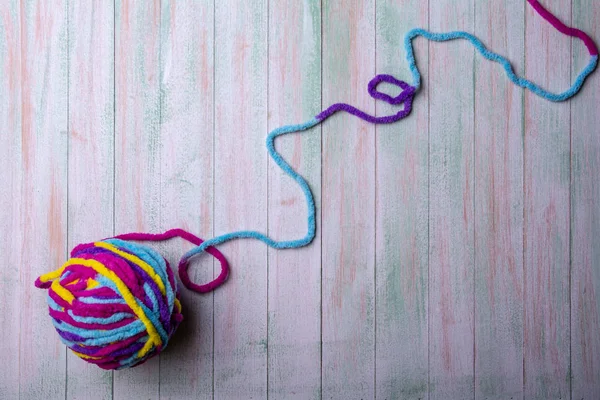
137,143
43,196
451,199
348,203
546,182
294,277
499,204
187,185
240,323
402,207
585,215
10,189
91,151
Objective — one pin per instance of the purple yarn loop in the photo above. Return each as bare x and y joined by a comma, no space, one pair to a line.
406,96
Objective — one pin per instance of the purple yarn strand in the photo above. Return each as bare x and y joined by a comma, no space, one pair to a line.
406,96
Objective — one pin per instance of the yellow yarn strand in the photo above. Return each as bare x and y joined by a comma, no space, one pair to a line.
52,275
92,284
62,292
85,356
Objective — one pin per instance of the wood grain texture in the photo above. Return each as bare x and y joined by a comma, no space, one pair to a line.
240,328
585,216
546,200
10,204
294,276
43,196
498,211
451,205
402,206
91,155
456,251
186,81
348,203
137,143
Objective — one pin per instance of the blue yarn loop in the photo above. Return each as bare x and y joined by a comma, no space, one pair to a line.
410,56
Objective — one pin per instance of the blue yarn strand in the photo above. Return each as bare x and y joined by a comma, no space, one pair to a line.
416,75
522,82
310,201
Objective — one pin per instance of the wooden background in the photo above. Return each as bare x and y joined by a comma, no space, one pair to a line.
458,251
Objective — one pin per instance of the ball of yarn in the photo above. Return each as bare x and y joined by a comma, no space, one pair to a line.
114,303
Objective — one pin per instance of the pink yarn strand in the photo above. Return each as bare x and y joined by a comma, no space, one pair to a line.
183,269
561,27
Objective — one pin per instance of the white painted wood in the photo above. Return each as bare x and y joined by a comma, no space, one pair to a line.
240,323
42,220
451,205
585,212
402,236
455,255
294,276
11,178
348,203
91,156
498,180
186,136
546,341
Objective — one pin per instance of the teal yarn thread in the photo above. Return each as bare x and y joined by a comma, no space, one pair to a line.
310,201
405,98
522,82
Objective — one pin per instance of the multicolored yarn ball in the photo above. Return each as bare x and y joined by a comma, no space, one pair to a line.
115,303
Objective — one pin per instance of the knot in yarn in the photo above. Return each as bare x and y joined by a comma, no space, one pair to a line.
114,303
